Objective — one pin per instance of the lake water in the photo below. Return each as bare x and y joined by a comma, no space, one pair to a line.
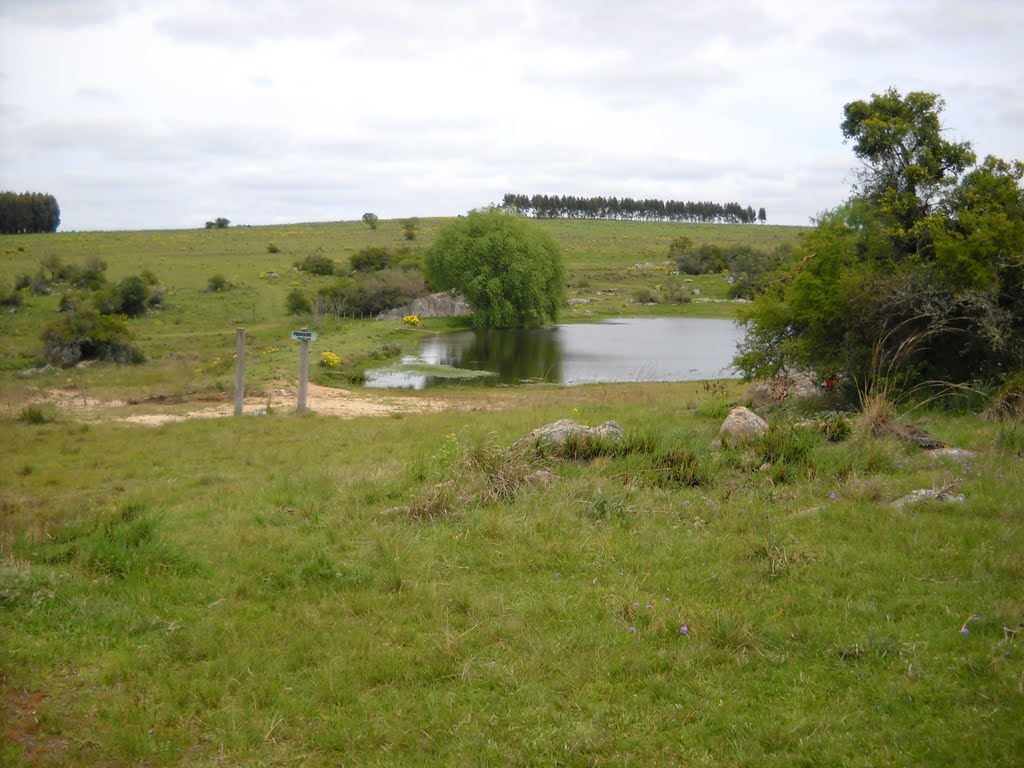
621,350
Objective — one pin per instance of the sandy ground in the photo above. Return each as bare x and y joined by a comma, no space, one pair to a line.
326,401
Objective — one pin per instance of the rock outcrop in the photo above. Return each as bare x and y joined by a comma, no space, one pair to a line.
552,438
447,304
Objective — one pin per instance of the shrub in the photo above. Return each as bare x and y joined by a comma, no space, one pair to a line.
273,249
316,265
217,283
11,297
297,303
83,333
380,291
372,259
410,228
644,296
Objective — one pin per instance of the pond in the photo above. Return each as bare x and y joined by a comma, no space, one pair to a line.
620,350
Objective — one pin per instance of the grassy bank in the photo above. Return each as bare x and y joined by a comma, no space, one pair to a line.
272,591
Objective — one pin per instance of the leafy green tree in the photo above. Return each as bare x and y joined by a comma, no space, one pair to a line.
370,220
920,274
410,227
509,269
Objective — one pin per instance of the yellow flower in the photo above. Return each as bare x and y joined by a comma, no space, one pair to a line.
329,360
411,320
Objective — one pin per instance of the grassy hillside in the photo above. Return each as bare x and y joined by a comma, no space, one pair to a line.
188,343
282,591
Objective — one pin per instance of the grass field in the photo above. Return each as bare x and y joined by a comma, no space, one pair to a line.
189,342
400,590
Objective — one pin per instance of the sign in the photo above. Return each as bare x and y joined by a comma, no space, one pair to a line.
303,336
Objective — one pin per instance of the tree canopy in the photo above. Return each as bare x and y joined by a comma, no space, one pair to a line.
28,213
920,272
509,269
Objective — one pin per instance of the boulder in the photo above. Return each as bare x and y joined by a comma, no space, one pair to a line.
740,426
447,304
552,438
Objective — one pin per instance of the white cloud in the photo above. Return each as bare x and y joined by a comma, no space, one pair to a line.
150,113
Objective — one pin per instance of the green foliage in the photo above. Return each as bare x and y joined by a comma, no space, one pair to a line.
298,303
273,248
219,223
217,283
316,264
920,273
509,269
370,293
370,220
28,213
84,333
372,259
410,227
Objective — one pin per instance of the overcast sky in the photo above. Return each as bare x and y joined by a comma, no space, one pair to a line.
169,113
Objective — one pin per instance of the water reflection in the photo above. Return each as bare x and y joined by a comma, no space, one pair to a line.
631,349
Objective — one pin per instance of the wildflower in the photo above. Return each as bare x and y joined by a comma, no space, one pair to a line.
832,495
558,574
965,631
636,605
684,630
632,630
650,607
411,320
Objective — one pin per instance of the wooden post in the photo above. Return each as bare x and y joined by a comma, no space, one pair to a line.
239,370
303,372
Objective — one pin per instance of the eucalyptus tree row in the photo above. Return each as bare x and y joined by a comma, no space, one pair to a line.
628,209
28,213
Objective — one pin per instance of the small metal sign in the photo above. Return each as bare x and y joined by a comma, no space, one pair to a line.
303,336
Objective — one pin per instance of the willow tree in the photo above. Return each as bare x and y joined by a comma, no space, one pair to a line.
509,269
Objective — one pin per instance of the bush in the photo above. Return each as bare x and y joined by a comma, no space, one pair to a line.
316,265
273,249
298,303
372,259
217,283
83,333
380,291
10,297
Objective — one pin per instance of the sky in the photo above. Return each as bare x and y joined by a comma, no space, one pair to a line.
159,114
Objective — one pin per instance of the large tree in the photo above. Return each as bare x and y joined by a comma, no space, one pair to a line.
509,269
919,274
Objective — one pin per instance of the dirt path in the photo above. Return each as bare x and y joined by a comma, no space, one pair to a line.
326,401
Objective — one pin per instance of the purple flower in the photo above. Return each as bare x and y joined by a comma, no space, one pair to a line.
558,574
636,605
965,631
684,630
632,630
650,607
686,502
975,618
832,495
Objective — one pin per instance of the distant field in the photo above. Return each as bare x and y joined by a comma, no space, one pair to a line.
188,341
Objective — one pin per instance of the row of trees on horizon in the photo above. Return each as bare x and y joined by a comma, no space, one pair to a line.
28,213
628,209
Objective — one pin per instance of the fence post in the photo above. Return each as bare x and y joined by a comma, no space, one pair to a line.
239,370
303,372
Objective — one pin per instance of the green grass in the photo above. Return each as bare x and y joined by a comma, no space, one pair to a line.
188,341
258,592
401,591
